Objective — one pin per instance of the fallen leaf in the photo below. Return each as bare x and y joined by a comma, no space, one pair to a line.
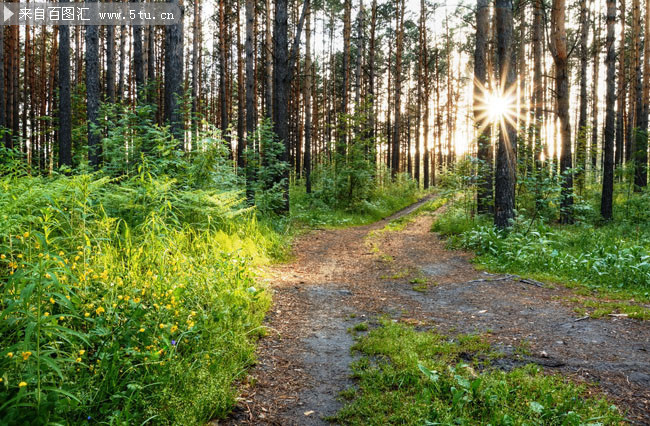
309,413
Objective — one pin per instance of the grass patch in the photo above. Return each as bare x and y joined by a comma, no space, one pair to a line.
602,308
313,211
415,378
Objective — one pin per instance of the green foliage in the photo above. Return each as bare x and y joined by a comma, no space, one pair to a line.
415,378
126,299
270,172
382,201
613,258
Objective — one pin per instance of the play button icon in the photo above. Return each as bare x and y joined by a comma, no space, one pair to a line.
6,14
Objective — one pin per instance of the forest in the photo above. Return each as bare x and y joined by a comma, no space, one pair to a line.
326,212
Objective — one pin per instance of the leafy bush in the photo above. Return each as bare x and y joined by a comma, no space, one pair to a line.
125,299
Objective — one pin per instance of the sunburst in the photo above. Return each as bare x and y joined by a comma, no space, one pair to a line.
497,106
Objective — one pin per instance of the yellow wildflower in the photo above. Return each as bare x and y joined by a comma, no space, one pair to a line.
2,256
100,310
26,355
81,352
174,329
26,234
47,275
161,326
10,354
22,384
47,314
61,253
20,256
52,301
86,314
61,318
78,360
141,330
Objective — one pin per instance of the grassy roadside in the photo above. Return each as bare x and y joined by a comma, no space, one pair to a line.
607,265
421,377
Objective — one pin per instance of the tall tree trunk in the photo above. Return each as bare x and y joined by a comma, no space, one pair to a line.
251,120
196,47
608,153
341,143
538,84
120,85
635,87
506,161
174,78
581,137
359,58
223,71
308,95
269,61
241,115
621,94
65,109
641,167
594,93
427,91
371,79
398,87
92,94
110,62
281,87
138,61
484,190
559,51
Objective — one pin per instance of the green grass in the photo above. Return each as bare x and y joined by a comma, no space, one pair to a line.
601,308
415,378
611,260
122,301
313,212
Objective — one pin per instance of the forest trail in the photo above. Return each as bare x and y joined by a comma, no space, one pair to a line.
342,277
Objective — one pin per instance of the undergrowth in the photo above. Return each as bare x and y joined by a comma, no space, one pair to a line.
414,378
125,301
610,259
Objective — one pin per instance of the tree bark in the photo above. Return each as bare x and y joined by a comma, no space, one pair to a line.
110,61
196,47
608,152
641,167
621,94
538,84
65,109
251,120
581,140
174,78
506,162
92,94
594,94
138,61
397,125
484,190
281,87
559,51
241,99
308,95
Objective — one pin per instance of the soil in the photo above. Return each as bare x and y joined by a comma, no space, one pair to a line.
343,277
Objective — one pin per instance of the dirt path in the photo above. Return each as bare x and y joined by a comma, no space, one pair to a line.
338,280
